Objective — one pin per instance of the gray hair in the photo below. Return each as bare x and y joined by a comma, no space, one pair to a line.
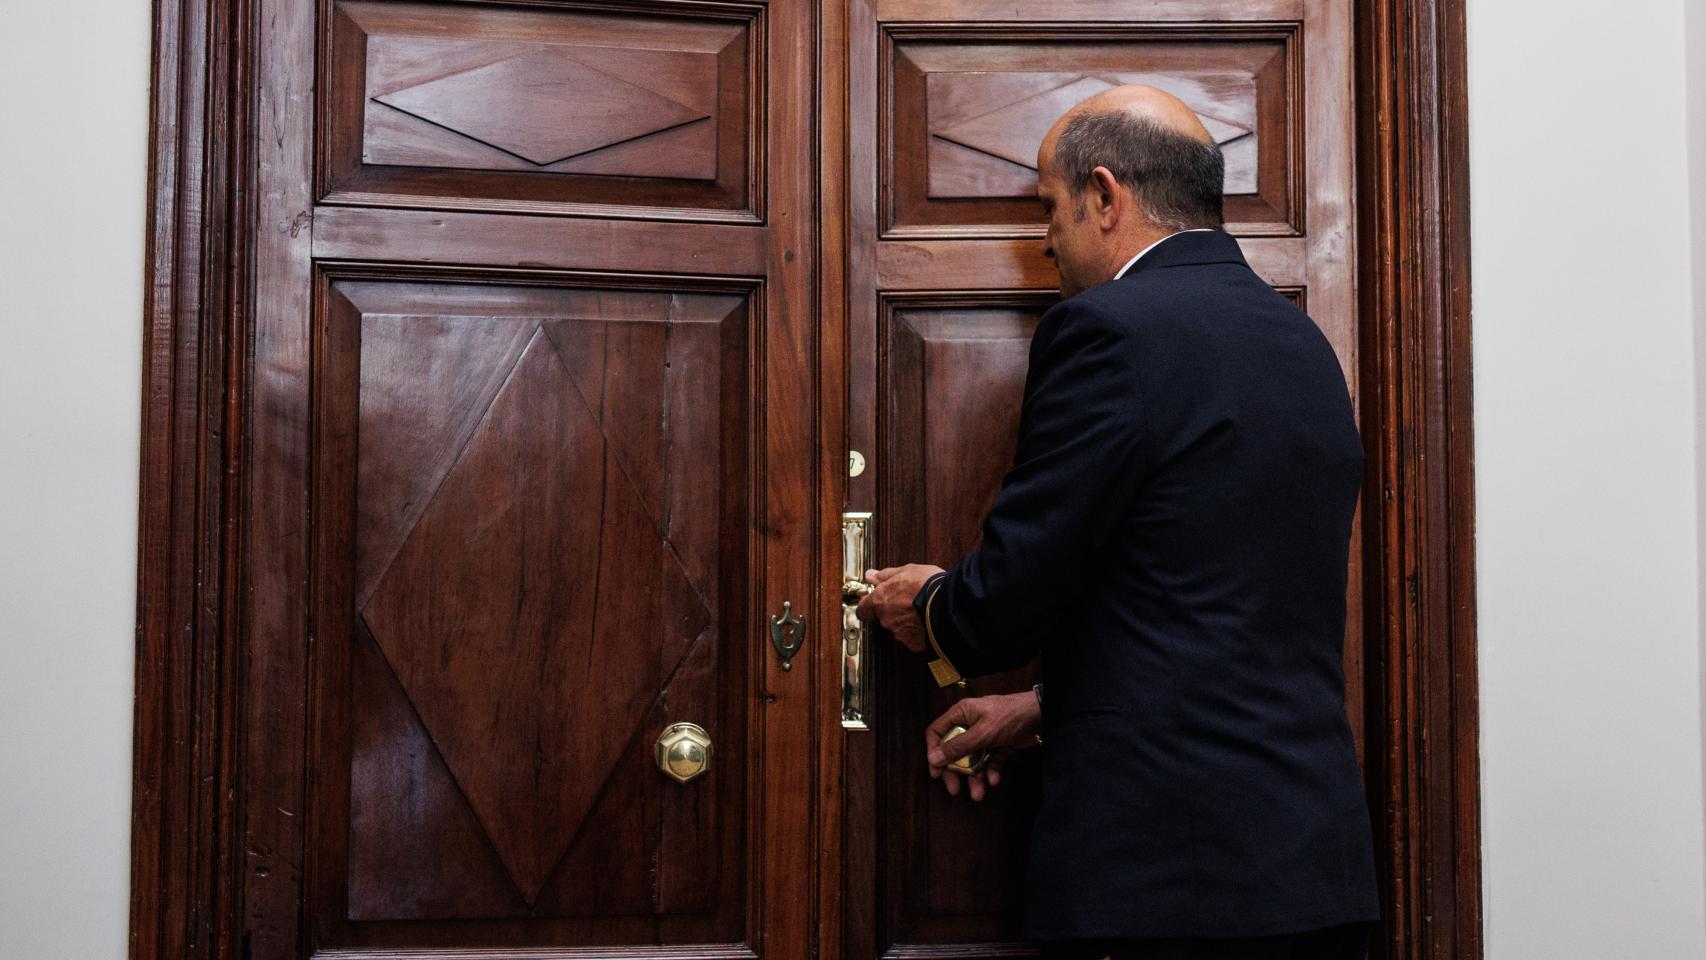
1177,178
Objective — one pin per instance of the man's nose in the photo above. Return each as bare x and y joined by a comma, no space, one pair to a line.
1048,248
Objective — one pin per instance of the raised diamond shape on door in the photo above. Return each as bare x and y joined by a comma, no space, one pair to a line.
548,104
558,108
537,609
985,126
1015,130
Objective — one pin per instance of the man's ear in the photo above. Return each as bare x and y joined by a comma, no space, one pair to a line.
1104,198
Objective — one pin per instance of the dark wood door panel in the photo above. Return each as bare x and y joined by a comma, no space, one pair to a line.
1068,11
534,504
559,243
950,873
953,373
970,105
993,264
640,112
531,440
945,279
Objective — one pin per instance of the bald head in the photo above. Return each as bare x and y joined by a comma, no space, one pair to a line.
1151,144
1139,102
1119,172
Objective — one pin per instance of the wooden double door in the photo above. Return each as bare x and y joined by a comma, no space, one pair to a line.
567,318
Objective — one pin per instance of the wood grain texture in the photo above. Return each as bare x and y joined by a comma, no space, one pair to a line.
417,850
837,798
970,104
183,841
560,243
953,378
537,573
298,717
276,604
552,478
978,262
573,109
426,383
794,508
980,117
1081,11
1413,247
703,951
548,104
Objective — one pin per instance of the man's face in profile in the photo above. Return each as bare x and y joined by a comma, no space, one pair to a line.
1072,235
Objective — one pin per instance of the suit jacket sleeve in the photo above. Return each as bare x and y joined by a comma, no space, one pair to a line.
1074,475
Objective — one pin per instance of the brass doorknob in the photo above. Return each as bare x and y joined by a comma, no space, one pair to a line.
684,751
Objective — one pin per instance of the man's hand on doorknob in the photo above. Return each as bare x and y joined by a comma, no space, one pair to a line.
890,604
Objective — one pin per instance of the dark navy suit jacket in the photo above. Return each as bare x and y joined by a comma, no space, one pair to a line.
1172,542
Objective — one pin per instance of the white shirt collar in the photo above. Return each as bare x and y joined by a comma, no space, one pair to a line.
1157,243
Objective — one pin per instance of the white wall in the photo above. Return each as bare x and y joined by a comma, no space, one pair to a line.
73,165
1696,40
1695,32
1586,480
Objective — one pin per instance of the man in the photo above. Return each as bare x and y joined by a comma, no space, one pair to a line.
1172,542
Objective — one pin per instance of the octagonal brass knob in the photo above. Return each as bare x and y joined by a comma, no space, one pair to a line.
684,751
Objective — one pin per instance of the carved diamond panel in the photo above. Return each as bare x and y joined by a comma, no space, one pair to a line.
563,106
505,613
969,113
547,104
1012,131
548,550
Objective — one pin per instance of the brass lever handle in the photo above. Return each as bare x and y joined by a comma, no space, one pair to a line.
855,658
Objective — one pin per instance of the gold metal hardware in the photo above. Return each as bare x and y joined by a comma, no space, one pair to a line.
855,463
943,671
684,751
787,634
972,762
855,658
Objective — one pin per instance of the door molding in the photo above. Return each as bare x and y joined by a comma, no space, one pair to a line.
1413,227
1419,562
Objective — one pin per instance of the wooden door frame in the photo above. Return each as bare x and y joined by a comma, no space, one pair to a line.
1413,291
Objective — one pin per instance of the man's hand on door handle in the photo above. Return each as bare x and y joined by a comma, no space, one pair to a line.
995,723
890,604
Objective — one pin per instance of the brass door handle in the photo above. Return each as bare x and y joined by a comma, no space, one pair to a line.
855,658
684,751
